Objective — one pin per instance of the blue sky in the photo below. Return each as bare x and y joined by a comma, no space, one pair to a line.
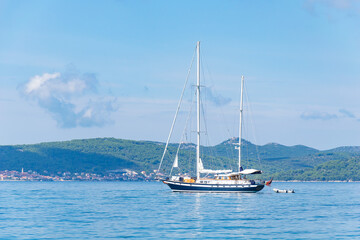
83,69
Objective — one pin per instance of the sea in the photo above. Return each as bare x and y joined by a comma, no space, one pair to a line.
149,210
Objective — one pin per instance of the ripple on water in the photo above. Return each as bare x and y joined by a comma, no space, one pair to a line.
101,210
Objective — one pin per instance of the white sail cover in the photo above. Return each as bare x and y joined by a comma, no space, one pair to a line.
250,171
202,170
176,161
215,171
245,172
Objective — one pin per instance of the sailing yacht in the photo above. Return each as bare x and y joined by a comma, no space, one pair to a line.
221,180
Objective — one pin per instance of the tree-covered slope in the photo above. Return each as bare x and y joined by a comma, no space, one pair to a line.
270,157
100,155
88,155
342,170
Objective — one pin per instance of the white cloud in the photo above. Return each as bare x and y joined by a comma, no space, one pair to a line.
317,115
346,113
88,113
37,81
215,98
63,95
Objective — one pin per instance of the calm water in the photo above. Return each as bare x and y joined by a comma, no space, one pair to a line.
101,210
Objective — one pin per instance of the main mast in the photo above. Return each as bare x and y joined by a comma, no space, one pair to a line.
240,125
198,113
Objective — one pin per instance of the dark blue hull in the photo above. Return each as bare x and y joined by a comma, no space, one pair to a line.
199,187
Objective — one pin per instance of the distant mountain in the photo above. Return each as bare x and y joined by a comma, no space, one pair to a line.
270,157
268,151
346,149
101,155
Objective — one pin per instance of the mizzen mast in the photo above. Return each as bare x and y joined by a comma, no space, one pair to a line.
241,116
198,112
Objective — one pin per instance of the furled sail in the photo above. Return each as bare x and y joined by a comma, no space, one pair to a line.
250,171
201,166
176,161
245,172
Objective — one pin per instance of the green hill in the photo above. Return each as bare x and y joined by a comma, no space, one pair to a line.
343,170
101,155
270,157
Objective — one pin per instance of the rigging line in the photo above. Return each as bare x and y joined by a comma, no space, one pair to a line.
221,107
254,132
184,131
190,136
177,111
228,151
222,118
245,149
247,122
205,124
168,154
238,119
210,150
203,103
203,98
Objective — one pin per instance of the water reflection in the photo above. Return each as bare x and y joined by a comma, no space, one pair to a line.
150,210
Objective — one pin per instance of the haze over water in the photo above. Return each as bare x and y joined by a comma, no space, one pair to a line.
112,210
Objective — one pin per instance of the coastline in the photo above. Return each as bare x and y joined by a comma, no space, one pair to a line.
315,181
279,181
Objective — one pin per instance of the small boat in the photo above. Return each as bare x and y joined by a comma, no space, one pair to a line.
284,190
214,180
